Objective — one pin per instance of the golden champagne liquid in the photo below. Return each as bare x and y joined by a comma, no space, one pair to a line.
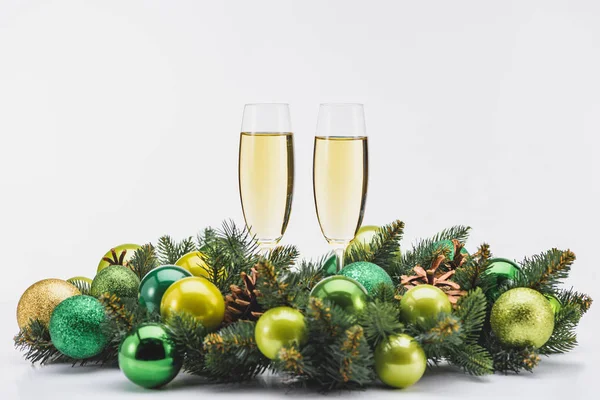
340,175
266,178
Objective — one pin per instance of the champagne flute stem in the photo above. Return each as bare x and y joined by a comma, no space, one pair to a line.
339,255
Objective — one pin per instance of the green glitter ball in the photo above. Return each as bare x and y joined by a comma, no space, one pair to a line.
370,275
522,317
76,327
117,280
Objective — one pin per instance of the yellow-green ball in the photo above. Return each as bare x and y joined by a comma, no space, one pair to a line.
400,361
41,298
195,264
196,296
522,317
126,251
365,235
117,280
277,328
423,303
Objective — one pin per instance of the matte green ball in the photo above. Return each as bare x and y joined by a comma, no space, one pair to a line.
522,317
148,357
156,283
400,361
342,291
117,280
370,275
279,327
76,327
423,303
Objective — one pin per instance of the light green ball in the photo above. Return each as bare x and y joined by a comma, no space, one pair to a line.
522,317
370,275
117,280
400,361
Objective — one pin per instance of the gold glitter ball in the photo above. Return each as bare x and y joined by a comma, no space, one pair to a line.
40,299
522,317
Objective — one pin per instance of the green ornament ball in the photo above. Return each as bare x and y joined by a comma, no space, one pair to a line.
279,327
522,317
448,244
343,291
156,283
503,270
365,235
422,303
148,357
329,267
370,275
117,280
400,361
554,303
76,327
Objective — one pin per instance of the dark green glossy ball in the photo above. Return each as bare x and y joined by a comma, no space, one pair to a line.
342,291
117,280
148,357
503,271
155,284
76,327
329,267
370,275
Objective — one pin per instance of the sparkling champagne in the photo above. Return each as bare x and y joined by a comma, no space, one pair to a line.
340,175
266,179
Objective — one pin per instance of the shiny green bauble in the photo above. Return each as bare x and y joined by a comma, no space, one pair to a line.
522,317
279,327
554,303
400,361
330,266
448,244
196,296
156,283
370,275
503,270
365,235
342,291
120,255
423,303
148,357
117,280
76,327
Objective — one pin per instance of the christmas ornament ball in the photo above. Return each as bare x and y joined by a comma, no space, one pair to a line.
370,275
330,266
194,263
554,303
156,282
277,328
522,317
76,327
343,291
117,280
196,296
400,361
39,300
148,357
123,254
503,269
422,303
365,235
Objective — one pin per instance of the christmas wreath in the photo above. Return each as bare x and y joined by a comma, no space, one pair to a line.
216,307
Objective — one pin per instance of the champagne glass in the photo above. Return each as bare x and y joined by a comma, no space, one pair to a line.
340,173
266,171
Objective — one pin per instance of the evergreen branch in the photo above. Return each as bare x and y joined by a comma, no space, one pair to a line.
355,359
472,358
380,320
383,249
274,292
34,340
188,336
544,272
472,309
472,274
232,354
563,337
283,257
169,251
116,311
83,286
572,297
143,261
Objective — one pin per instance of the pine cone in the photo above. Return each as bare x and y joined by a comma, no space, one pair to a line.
242,303
432,277
459,257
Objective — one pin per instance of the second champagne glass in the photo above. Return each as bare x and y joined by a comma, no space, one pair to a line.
266,171
340,173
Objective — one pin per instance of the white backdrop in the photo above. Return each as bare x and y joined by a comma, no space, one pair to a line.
119,122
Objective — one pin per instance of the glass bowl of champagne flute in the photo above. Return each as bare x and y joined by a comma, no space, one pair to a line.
266,171
340,173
